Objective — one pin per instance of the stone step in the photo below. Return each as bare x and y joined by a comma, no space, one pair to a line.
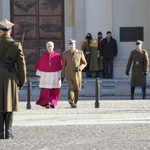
107,87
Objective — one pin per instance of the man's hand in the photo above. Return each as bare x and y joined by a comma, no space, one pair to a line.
20,86
87,52
77,69
145,73
62,79
127,73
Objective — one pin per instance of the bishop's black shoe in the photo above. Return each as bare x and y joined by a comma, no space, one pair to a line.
47,106
52,106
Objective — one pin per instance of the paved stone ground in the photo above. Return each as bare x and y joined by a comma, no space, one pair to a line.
85,137
129,136
88,107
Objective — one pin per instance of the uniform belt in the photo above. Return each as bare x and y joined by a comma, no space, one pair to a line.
136,62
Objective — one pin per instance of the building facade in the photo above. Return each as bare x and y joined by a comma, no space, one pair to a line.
83,16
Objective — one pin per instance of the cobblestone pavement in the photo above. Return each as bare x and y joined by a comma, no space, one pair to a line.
88,107
131,136
85,137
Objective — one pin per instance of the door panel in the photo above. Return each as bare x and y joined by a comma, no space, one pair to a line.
50,27
25,25
37,22
50,7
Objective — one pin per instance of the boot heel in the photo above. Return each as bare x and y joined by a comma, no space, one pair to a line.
2,136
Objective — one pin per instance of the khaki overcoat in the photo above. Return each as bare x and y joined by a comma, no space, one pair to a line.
94,64
70,63
9,49
92,58
85,47
101,64
140,62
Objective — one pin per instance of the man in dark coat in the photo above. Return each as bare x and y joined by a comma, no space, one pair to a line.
100,59
108,52
140,62
12,77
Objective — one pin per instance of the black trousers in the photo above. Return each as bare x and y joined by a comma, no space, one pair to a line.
6,120
143,92
108,67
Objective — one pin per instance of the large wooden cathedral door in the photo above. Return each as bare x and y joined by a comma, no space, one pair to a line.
37,22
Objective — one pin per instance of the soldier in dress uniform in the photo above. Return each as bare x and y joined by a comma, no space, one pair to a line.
140,62
73,63
12,77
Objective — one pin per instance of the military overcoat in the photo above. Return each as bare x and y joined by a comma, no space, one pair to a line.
99,40
85,47
10,52
94,64
140,63
70,63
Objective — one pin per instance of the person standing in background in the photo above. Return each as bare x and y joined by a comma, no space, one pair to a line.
140,63
108,52
48,69
86,48
100,59
94,64
12,77
73,63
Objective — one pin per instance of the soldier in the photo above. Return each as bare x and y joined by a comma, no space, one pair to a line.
86,47
12,77
73,64
94,63
140,60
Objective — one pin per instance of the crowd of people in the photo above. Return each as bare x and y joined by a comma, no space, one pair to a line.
95,57
99,54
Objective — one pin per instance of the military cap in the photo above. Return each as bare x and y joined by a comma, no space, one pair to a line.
71,41
99,33
5,25
138,42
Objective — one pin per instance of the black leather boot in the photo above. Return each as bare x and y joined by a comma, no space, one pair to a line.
1,125
76,96
8,125
143,92
132,92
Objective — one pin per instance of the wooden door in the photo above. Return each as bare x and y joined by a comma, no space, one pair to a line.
37,22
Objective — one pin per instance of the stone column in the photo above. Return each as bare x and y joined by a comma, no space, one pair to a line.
5,9
69,21
79,21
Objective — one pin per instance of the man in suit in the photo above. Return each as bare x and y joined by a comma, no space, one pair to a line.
73,63
12,77
108,52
